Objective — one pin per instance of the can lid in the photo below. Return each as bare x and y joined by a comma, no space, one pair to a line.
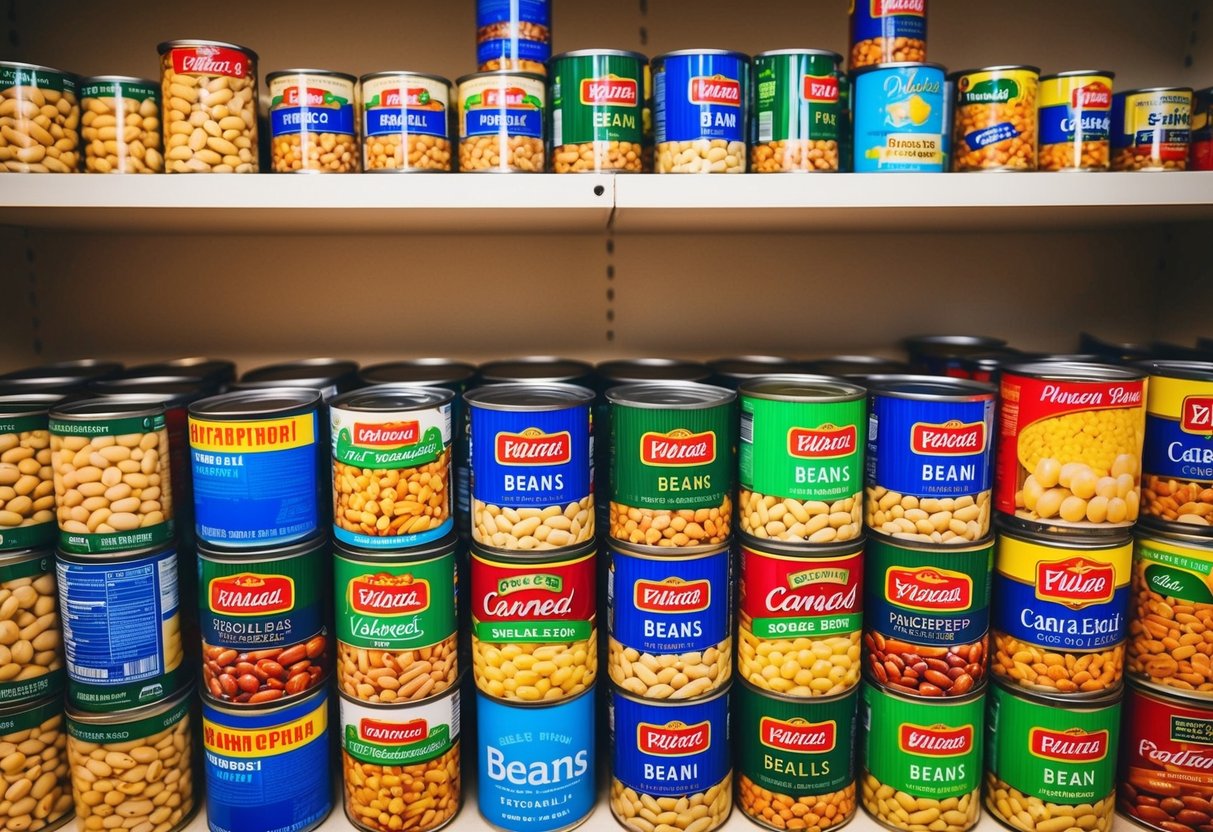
110,407
512,557
326,73
599,53
1194,370
306,368
1102,539
189,42
802,388
240,404
1064,703
85,368
218,370
28,404
64,385
898,65
741,367
392,397
680,53
855,366
801,550
880,538
1153,89
929,388
501,73
824,53
1075,371
1071,73
422,371
952,344
637,370
684,395
394,73
120,79
536,368
529,397
423,551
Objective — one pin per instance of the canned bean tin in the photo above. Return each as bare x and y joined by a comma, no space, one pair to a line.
1069,449
1164,780
534,631
939,355
800,458
675,754
796,120
846,126
885,31
396,621
32,88
501,122
1076,120
928,472
513,34
267,768
263,622
152,745
672,464
531,466
921,759
406,122
596,111
537,770
131,103
930,605
418,745
700,100
256,466
996,119
1201,150
31,630
1177,457
330,376
898,112
670,621
735,370
1051,763
195,66
796,759
1151,128
312,125
800,617
27,483
121,628
35,737
1061,619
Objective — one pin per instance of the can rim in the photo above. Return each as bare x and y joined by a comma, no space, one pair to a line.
129,715
165,46
1074,371
999,68
1190,370
120,79
299,369
563,370
26,554
32,401
600,53
1103,700
620,371
385,398
1153,89
294,401
455,689
499,73
1071,73
977,694
825,53
515,397
1168,696
324,73
42,67
863,70
448,544
388,73
219,554
321,691
662,395
710,696
460,372
539,705
635,550
949,389
987,542
1147,531
802,551
23,706
1080,539
832,389
90,408
679,53
808,702
514,557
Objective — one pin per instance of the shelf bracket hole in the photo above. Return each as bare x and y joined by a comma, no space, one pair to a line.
599,190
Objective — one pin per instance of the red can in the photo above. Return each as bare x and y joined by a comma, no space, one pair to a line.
1201,149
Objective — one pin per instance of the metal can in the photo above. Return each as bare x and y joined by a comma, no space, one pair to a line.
537,764
800,458
121,628
855,367
396,622
899,118
700,111
1172,610
263,622
513,34
255,456
1151,128
1076,120
194,66
267,768
795,759
1069,449
796,120
139,739
312,124
37,731
996,119
31,147
672,464
1200,156
735,370
1177,459
670,622
130,102
930,604
418,745
921,758
35,665
330,376
27,517
406,122
1062,614
939,355
534,624
502,122
928,472
799,617
596,111
537,369
1053,758
213,372
675,754
888,31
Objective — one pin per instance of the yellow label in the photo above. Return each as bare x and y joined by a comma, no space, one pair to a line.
1021,559
260,742
1149,111
997,87
253,437
1165,396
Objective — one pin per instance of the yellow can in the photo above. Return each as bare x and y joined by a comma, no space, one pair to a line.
996,119
1075,120
1151,129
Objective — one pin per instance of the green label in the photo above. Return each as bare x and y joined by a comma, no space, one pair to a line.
596,98
32,717
95,544
24,76
22,424
108,427
395,604
796,97
992,91
109,698
120,89
33,536
923,748
527,632
1054,754
671,459
1174,574
400,736
799,748
127,731
427,449
802,450
251,605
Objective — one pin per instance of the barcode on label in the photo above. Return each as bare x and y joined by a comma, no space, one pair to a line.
148,665
766,132
747,427
88,672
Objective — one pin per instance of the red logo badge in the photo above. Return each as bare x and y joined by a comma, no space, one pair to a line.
820,88
411,98
678,447
1075,582
303,97
249,594
210,60
884,8
1073,746
385,595
674,739
534,447
952,438
510,98
1094,96
1197,415
798,735
609,91
717,89
935,740
822,442
389,435
393,733
673,595
928,590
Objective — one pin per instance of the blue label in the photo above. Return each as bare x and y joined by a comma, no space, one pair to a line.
537,12
404,541
930,449
536,763
1161,136
700,97
898,114
523,121
991,135
267,771
1021,614
387,121
504,49
1172,452
1120,138
287,120
888,19
530,458
670,605
1058,125
670,750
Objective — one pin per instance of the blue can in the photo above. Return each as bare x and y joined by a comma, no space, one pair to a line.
898,111
700,111
536,763
255,456
513,34
267,769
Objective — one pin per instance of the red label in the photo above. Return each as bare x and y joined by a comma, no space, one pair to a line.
1075,582
510,97
952,438
884,8
1073,746
560,591
822,89
674,739
1197,415
678,447
534,447
798,735
928,589
298,96
824,442
211,60
392,98
673,595
249,594
386,595
718,90
393,733
390,434
777,587
935,740
609,91
1173,741
1094,96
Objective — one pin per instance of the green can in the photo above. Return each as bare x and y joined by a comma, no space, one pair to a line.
672,464
795,751
27,486
846,126
597,100
800,458
796,120
34,667
1051,750
921,758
